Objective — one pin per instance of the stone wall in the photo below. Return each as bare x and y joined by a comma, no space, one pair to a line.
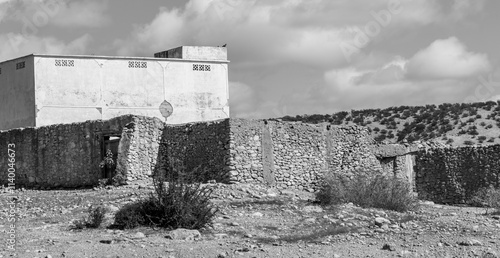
58,155
281,154
349,151
138,148
277,153
296,155
68,155
452,175
197,149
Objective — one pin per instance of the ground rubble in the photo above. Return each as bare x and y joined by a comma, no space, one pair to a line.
254,221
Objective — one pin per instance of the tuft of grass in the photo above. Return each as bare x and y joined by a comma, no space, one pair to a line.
94,218
368,192
487,197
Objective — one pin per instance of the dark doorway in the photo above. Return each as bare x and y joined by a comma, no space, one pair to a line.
110,143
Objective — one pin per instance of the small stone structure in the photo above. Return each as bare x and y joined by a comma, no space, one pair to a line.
69,155
273,152
397,160
281,154
286,155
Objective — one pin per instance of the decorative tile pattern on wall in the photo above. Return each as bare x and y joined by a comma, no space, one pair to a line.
137,64
69,63
20,65
200,67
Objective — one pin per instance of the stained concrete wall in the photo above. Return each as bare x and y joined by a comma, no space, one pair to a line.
106,87
17,98
453,175
195,53
68,89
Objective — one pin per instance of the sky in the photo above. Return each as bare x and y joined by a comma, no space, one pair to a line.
288,57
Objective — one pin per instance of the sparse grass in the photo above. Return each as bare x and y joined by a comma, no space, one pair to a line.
94,218
374,192
313,235
271,202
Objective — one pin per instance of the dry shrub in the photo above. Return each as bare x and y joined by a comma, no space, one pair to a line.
177,202
94,218
368,191
487,197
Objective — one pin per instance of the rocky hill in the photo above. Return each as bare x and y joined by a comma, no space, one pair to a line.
453,124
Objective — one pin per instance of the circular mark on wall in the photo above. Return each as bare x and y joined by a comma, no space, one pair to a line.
166,109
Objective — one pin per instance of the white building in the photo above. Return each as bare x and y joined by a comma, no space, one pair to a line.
185,84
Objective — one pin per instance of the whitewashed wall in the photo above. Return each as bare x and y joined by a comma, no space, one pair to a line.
105,87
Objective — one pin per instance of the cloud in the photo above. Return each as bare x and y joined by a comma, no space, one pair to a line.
286,55
56,12
82,14
164,31
243,101
15,45
447,58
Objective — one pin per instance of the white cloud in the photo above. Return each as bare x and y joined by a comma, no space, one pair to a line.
15,45
447,58
164,31
282,33
82,14
60,13
243,101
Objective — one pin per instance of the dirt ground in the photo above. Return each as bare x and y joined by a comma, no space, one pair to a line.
254,222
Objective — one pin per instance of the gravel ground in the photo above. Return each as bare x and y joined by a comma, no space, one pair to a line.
254,221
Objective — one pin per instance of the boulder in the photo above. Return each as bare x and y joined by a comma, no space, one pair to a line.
379,221
184,234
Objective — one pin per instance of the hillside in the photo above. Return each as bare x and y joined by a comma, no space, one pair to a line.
453,124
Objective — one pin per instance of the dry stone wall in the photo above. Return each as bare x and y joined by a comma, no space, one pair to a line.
138,148
68,155
197,149
349,151
296,155
281,154
277,153
289,155
58,155
453,175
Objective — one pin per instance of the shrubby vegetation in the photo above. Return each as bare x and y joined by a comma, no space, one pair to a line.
177,202
424,122
375,192
487,197
94,218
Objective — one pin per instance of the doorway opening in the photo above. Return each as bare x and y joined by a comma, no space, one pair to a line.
109,154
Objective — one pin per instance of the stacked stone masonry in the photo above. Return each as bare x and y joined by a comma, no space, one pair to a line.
69,155
272,152
453,175
200,150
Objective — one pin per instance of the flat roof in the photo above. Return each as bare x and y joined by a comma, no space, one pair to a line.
117,57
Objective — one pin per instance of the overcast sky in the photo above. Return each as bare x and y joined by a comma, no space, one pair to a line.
288,57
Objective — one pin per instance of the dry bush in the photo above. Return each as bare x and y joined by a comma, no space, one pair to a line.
487,197
94,218
375,192
178,201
